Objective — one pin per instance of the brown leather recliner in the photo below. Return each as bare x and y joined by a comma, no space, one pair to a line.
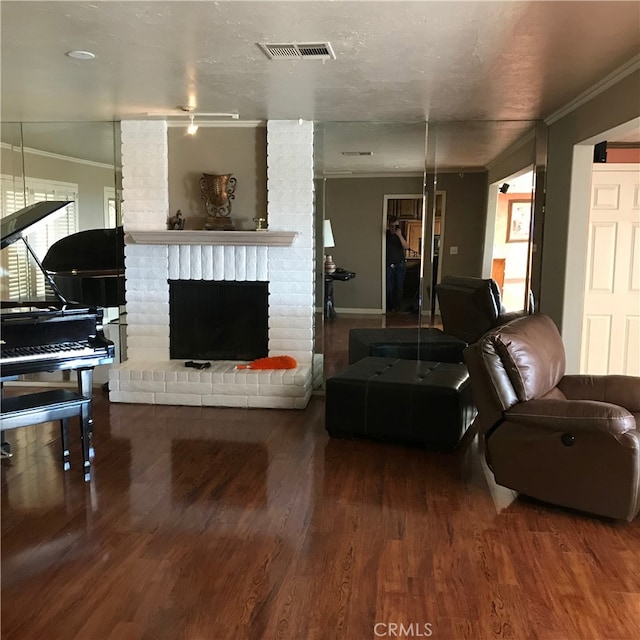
469,307
570,440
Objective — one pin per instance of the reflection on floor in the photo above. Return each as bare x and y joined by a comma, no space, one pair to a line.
233,524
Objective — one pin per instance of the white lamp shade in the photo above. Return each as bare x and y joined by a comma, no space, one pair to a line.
328,234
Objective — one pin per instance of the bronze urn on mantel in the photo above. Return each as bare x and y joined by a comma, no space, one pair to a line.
217,193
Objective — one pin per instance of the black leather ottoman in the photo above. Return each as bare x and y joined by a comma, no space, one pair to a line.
403,343
427,403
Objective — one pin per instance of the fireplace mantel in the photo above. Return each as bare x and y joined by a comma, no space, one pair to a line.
247,238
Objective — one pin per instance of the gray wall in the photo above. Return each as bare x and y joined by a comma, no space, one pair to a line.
521,158
355,207
241,151
318,212
465,219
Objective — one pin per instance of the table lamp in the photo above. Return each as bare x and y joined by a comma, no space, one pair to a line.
329,264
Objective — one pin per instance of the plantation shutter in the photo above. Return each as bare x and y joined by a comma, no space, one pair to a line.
25,280
15,278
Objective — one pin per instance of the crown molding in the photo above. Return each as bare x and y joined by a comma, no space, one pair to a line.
613,78
337,175
56,156
185,122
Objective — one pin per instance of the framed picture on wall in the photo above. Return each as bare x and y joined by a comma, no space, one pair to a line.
519,220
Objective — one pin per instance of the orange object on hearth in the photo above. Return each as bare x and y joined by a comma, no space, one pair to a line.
272,362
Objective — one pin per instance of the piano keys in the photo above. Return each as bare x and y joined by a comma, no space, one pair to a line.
38,339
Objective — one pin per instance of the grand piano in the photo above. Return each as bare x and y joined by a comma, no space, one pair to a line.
88,266
57,334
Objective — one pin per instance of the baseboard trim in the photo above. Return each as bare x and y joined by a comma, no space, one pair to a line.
350,310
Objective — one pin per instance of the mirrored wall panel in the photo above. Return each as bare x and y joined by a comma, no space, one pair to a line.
463,196
80,245
488,172
371,173
71,162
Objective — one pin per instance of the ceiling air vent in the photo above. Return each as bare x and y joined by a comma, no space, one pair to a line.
307,50
357,153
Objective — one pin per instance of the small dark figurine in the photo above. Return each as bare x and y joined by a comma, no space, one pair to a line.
176,223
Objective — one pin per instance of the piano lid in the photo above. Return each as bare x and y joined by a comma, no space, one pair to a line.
13,226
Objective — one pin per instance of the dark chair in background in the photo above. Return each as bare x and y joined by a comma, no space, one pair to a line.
570,440
469,307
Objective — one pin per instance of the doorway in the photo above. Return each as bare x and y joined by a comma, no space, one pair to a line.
409,209
611,324
512,227
575,323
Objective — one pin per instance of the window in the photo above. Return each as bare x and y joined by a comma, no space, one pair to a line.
110,208
21,277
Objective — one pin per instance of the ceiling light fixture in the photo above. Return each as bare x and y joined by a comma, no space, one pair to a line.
193,127
77,54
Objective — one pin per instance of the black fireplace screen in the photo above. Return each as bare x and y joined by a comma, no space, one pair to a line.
218,320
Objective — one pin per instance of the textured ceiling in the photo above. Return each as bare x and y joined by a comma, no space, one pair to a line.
401,62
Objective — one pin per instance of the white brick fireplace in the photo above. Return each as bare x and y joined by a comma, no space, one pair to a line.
282,256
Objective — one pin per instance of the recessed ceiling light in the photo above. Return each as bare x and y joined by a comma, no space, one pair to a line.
76,54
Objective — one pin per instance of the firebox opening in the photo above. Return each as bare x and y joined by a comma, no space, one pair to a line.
212,320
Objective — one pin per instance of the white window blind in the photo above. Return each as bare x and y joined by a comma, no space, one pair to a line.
23,279
110,208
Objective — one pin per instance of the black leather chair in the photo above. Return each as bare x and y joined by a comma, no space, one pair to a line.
469,307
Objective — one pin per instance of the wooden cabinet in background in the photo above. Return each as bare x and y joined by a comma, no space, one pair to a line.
497,272
413,235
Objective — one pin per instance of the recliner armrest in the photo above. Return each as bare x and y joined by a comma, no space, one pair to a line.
617,389
573,415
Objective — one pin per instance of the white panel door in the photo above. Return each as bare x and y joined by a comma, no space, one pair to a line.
611,323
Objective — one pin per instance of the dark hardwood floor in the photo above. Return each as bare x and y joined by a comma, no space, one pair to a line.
221,524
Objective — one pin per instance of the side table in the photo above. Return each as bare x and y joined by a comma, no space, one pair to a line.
329,278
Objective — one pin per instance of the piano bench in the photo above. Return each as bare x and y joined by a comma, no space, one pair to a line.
47,406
